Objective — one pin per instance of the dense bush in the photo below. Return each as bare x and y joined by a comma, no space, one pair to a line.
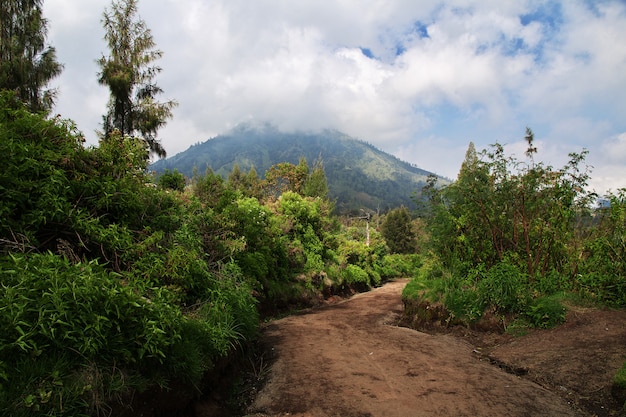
307,223
116,285
546,312
397,265
602,273
172,180
109,284
508,237
83,315
356,277
49,303
79,315
503,287
34,207
398,232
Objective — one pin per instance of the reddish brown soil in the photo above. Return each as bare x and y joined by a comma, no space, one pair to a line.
349,359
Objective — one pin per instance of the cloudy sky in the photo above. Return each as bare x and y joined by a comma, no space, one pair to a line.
417,78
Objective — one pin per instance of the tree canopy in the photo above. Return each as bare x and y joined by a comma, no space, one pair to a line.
129,73
398,231
509,237
27,64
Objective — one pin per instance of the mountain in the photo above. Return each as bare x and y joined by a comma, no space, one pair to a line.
360,176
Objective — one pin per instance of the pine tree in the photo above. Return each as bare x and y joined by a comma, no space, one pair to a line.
129,74
471,159
316,185
26,63
252,184
235,178
397,229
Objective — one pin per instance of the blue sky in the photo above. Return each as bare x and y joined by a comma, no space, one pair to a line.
419,79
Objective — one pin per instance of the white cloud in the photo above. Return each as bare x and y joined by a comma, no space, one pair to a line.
437,76
614,149
609,164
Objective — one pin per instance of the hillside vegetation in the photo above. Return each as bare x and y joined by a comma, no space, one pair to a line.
513,242
359,175
117,284
112,285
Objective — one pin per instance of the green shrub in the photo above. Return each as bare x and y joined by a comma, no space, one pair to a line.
432,268
620,377
356,277
172,180
604,287
374,276
75,315
194,353
398,265
333,272
546,312
306,220
50,304
414,289
431,281
552,282
234,291
602,273
504,287
465,305
314,262
354,252
36,153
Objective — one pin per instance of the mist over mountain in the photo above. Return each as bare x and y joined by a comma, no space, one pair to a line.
360,176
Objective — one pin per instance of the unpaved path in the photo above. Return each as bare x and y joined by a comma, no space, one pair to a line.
347,360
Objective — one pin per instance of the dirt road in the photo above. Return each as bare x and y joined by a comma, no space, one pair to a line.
348,360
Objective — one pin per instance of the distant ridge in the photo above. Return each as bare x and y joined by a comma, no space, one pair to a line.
360,176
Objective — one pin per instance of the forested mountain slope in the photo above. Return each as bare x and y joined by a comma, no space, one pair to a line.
359,175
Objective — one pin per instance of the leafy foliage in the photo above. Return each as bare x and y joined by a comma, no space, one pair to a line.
101,271
397,230
546,312
504,288
306,223
33,184
129,74
172,180
49,304
78,314
602,275
26,63
355,276
509,236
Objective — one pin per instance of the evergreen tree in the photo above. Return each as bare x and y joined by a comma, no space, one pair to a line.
398,231
235,178
251,185
26,63
471,159
317,185
129,74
